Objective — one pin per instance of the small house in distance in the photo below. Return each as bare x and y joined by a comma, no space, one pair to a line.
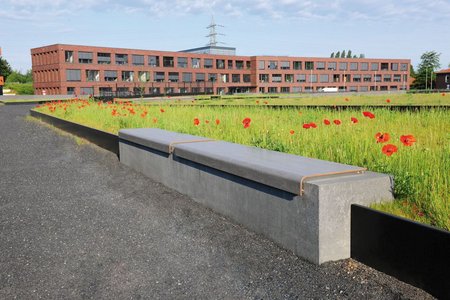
443,79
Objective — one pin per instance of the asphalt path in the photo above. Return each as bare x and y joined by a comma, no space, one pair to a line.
76,224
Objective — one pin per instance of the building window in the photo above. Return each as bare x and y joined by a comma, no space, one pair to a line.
73,75
342,66
159,76
300,78
377,78
187,77
261,64
105,91
374,66
230,64
128,76
263,77
394,67
320,65
297,89
174,76
248,65
447,78
313,78
353,66
324,78
104,58
212,77
387,78
309,65
364,66
297,65
363,89
195,63
246,78
121,59
384,67
397,78
154,90
92,75
285,89
182,62
123,91
332,66
353,89
276,77
239,64
87,91
208,63
138,60
367,78
224,78
220,63
168,61
110,76
235,77
273,65
403,67
199,77
347,78
285,65
356,78
85,57
144,76
289,77
336,78
70,91
68,55
273,89
153,61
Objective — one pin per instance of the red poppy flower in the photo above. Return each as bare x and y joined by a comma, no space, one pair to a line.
337,122
443,94
207,121
346,99
265,102
217,121
388,100
326,122
144,114
382,137
389,149
408,140
313,125
196,121
162,110
155,120
257,101
306,126
246,122
354,120
368,114
114,112
291,131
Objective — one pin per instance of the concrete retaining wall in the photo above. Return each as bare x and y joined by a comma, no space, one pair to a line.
285,197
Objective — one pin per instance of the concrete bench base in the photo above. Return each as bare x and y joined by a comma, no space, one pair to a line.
316,225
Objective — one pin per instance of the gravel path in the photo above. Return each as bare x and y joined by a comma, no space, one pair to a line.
75,223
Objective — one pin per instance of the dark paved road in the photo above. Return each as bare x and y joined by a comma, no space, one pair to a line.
75,223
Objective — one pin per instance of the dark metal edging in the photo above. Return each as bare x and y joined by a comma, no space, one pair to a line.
415,253
101,138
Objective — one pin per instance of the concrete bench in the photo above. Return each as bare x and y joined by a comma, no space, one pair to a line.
301,203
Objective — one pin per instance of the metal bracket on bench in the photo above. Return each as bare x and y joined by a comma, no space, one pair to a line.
172,144
359,171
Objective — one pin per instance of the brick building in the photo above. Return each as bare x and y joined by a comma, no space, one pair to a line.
74,69
443,79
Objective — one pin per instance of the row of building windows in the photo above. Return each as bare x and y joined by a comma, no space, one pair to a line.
266,78
331,66
157,61
144,76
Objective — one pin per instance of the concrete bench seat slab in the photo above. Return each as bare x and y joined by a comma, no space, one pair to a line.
260,189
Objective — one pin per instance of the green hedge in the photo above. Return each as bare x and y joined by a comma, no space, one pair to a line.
21,88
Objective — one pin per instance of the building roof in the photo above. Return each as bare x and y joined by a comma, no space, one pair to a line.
444,71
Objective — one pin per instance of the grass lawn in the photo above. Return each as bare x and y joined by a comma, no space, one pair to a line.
414,146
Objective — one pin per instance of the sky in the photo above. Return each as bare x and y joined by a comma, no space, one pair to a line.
379,29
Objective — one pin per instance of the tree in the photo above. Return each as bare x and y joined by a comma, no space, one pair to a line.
332,55
412,73
343,54
5,68
362,55
349,54
338,54
425,71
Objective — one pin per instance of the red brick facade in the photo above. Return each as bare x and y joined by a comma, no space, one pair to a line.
72,69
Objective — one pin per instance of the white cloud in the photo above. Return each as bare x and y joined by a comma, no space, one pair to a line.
294,9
